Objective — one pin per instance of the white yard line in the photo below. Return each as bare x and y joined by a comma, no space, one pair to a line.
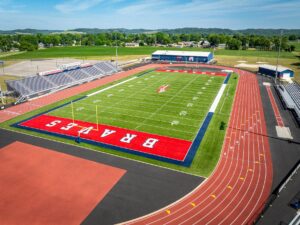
217,99
115,85
100,107
154,113
133,122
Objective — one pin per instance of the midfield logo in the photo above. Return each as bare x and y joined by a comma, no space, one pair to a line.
162,88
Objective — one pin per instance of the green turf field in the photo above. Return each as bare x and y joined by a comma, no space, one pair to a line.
208,153
178,112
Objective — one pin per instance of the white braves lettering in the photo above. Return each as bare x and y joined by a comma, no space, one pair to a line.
86,130
107,132
69,126
128,138
150,142
53,123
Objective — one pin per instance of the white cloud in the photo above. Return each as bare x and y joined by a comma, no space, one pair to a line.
143,7
76,5
9,6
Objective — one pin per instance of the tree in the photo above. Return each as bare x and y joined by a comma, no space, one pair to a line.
213,39
234,44
150,40
28,43
6,43
292,48
293,37
163,38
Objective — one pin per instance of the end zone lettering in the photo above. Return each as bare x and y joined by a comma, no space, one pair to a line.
147,143
128,138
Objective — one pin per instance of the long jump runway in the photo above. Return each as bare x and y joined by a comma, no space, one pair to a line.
237,190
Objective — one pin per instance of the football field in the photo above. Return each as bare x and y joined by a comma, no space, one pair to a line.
167,104
164,117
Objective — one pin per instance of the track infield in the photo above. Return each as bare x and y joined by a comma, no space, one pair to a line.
203,159
159,114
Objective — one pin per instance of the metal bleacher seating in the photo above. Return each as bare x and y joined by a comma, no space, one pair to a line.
93,71
290,94
35,85
106,67
294,91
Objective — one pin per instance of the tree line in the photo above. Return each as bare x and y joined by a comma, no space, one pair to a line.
30,42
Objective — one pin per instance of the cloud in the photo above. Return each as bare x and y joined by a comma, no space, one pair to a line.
143,7
76,5
9,6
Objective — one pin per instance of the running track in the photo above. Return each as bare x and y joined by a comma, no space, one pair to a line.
238,188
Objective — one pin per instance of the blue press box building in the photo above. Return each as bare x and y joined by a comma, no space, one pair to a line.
182,56
270,70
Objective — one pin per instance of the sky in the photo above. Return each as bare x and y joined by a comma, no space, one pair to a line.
150,14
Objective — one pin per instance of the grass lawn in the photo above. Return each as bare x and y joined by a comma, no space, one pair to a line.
137,105
294,63
96,51
6,77
297,45
6,54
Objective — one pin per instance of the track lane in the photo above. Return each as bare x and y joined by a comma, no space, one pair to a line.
251,181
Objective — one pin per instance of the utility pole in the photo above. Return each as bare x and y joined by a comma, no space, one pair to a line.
278,54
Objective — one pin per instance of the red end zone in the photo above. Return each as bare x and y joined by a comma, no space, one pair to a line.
193,72
150,144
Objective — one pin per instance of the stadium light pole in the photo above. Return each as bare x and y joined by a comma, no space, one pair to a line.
278,54
1,95
2,63
116,50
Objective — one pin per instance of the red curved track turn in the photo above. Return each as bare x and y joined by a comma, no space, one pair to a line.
238,188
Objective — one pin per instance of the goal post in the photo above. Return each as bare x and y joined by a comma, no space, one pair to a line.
85,113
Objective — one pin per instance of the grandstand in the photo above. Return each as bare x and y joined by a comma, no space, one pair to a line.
48,81
290,94
182,56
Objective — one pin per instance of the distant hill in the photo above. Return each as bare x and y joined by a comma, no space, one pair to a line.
187,30
27,31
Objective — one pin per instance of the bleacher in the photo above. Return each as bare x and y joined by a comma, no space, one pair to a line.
39,84
92,70
290,94
294,90
107,67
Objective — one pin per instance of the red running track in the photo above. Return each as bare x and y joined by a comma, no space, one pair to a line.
238,188
236,191
275,107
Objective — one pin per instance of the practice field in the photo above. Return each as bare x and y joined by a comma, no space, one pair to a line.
157,114
101,51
